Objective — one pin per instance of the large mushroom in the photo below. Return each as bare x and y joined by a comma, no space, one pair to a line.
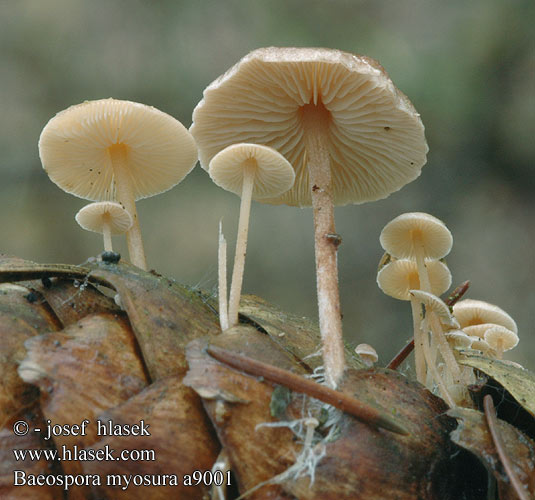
350,135
112,150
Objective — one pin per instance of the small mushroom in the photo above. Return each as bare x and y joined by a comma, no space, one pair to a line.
458,339
252,172
471,312
310,423
417,236
367,353
501,339
117,150
436,305
350,135
481,345
477,330
106,218
401,275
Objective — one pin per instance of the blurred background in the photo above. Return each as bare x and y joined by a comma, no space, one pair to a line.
468,68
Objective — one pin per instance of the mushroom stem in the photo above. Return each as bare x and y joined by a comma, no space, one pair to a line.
222,279
106,233
419,339
125,196
326,243
444,347
423,275
499,349
241,243
438,379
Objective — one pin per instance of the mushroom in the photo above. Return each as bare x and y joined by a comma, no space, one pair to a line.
458,339
501,339
250,171
399,276
367,353
482,345
117,150
310,423
350,135
106,218
417,236
471,312
477,330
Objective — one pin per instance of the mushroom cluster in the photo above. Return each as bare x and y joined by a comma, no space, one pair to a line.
305,127
489,327
299,126
413,269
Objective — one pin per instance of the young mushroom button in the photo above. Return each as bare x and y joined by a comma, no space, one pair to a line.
252,172
117,150
350,135
106,218
367,353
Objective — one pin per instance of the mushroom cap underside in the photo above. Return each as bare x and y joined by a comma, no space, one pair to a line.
74,148
92,217
373,133
398,277
471,312
273,174
400,236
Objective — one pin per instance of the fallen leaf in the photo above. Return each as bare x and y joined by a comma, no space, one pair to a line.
473,435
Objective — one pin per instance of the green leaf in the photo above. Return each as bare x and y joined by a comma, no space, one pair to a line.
519,382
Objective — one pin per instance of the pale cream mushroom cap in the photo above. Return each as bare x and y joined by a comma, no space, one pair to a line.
273,173
399,276
481,345
92,217
397,236
437,305
375,136
501,338
74,148
458,338
476,330
474,312
367,353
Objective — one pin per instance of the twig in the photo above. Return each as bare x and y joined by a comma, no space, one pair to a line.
452,299
297,383
457,294
401,356
490,415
